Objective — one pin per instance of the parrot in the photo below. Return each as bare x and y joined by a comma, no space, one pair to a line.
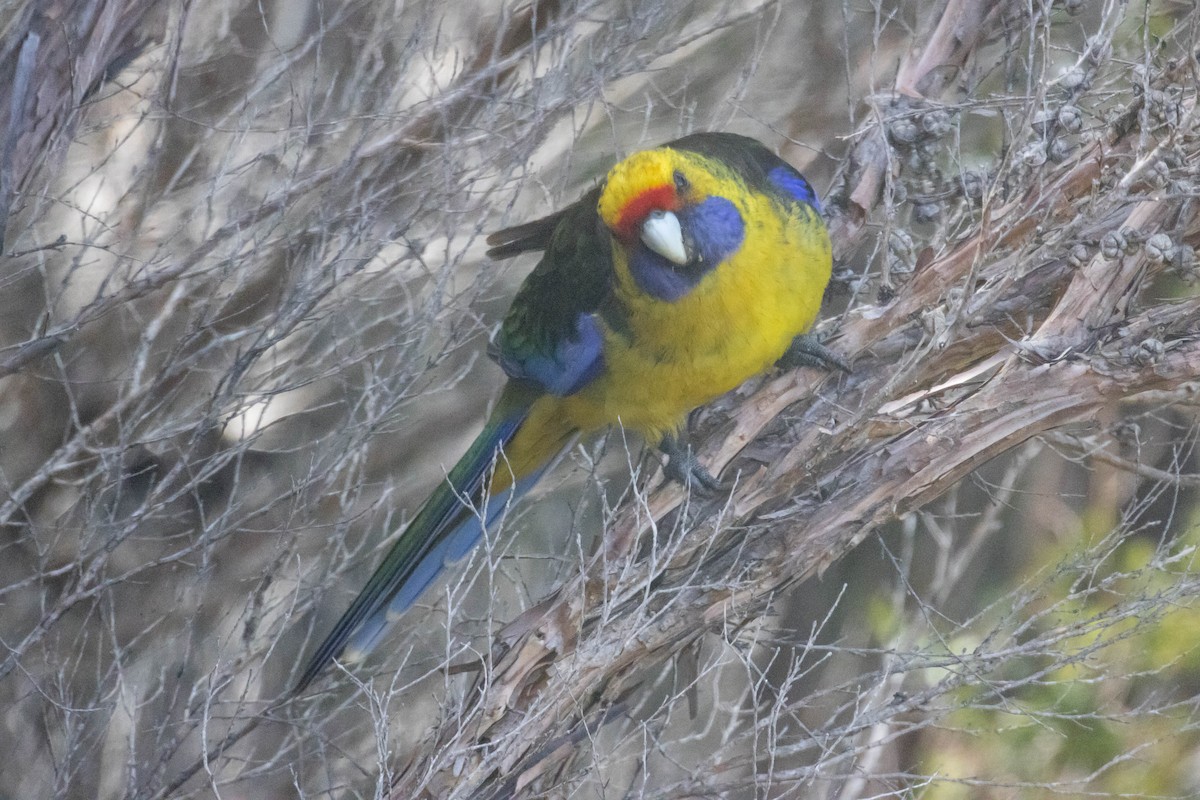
690,268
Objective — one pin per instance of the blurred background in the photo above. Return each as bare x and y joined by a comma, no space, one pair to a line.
243,317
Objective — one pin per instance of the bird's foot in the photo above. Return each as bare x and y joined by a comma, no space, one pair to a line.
684,468
806,350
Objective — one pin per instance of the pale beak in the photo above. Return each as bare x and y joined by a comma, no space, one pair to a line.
662,234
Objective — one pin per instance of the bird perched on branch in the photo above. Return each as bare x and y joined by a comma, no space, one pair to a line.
691,268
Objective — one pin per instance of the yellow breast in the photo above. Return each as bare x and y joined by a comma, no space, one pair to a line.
735,323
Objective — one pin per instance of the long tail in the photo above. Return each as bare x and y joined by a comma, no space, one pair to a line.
449,524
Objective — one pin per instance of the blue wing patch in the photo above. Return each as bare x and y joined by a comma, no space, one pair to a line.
793,184
573,363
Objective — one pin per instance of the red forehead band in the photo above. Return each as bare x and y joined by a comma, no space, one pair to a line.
658,198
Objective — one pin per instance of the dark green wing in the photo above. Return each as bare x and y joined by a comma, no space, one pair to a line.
552,334
537,235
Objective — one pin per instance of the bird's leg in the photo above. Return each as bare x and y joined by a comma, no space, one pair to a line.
806,350
683,467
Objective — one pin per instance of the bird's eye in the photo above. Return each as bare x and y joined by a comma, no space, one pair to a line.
681,183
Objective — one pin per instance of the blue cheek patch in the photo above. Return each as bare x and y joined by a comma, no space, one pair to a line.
656,276
714,229
794,185
574,362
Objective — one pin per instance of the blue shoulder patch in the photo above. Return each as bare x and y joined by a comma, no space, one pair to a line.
793,184
574,362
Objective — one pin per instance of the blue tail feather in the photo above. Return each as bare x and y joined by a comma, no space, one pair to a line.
445,530
458,543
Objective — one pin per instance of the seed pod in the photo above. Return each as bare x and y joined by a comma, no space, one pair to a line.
1158,248
973,184
1148,351
1074,78
1070,118
1059,150
1033,154
1112,244
936,122
1077,256
903,131
927,211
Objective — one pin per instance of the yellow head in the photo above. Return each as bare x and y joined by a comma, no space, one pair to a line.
674,215
643,183
656,180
